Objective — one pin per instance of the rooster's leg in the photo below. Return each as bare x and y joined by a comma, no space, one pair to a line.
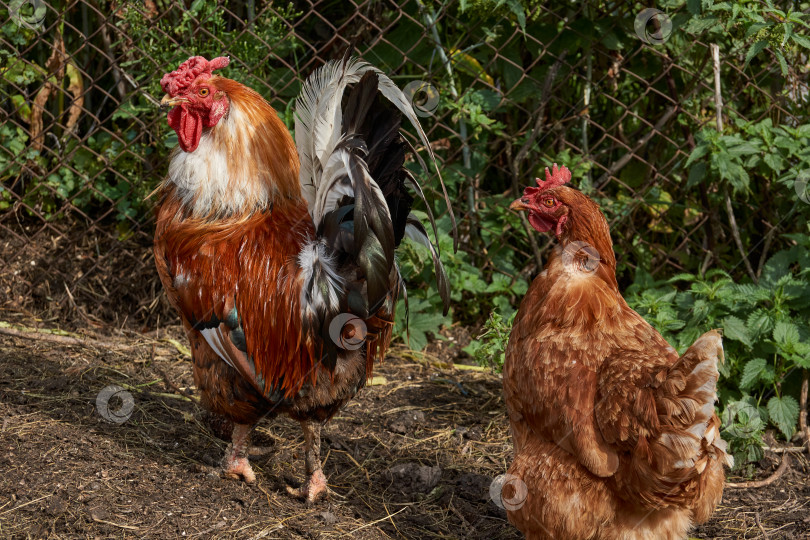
236,463
314,487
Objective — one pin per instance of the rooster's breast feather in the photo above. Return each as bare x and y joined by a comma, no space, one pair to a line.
239,286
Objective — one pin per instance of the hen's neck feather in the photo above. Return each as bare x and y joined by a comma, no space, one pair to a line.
245,163
587,224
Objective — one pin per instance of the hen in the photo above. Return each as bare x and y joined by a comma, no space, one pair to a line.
279,256
615,435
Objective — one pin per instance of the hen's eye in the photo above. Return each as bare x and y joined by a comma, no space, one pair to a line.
548,202
203,92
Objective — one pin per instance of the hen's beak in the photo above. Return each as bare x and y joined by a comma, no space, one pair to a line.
519,206
169,101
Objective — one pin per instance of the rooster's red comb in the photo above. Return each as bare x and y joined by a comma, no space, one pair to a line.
182,77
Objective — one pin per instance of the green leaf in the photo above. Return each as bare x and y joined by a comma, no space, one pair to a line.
751,372
802,360
696,174
683,276
759,322
419,326
754,50
734,328
611,41
784,414
516,7
738,147
754,28
777,266
738,177
693,6
197,6
786,333
782,62
801,40
788,143
768,375
423,318
699,151
697,26
774,161
720,6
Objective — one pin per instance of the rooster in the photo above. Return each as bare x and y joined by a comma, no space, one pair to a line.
279,254
615,435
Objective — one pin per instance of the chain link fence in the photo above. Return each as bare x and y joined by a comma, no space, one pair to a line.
617,93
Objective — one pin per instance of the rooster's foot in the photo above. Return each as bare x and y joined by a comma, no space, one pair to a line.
236,465
314,488
238,468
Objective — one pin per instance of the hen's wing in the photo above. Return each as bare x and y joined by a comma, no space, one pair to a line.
657,410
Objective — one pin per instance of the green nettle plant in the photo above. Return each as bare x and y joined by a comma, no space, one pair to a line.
489,348
766,339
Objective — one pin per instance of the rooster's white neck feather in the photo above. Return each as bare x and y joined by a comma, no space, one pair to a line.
210,181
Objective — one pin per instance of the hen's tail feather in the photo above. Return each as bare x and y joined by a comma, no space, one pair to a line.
671,465
696,389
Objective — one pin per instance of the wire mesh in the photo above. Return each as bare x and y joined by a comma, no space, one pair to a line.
83,143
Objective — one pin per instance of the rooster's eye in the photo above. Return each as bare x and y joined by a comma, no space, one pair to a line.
548,202
203,91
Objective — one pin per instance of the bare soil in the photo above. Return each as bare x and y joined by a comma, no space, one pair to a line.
412,457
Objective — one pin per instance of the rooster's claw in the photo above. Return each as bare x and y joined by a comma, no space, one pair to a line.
314,489
239,469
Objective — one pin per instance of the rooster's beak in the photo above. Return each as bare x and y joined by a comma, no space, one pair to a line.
518,205
169,101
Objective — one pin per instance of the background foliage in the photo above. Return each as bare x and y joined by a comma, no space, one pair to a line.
710,225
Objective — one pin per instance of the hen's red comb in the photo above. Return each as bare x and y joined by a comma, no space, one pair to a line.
557,177
182,77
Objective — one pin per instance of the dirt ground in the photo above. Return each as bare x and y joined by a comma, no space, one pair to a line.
412,457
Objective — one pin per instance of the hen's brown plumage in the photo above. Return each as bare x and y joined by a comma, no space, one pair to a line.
615,435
